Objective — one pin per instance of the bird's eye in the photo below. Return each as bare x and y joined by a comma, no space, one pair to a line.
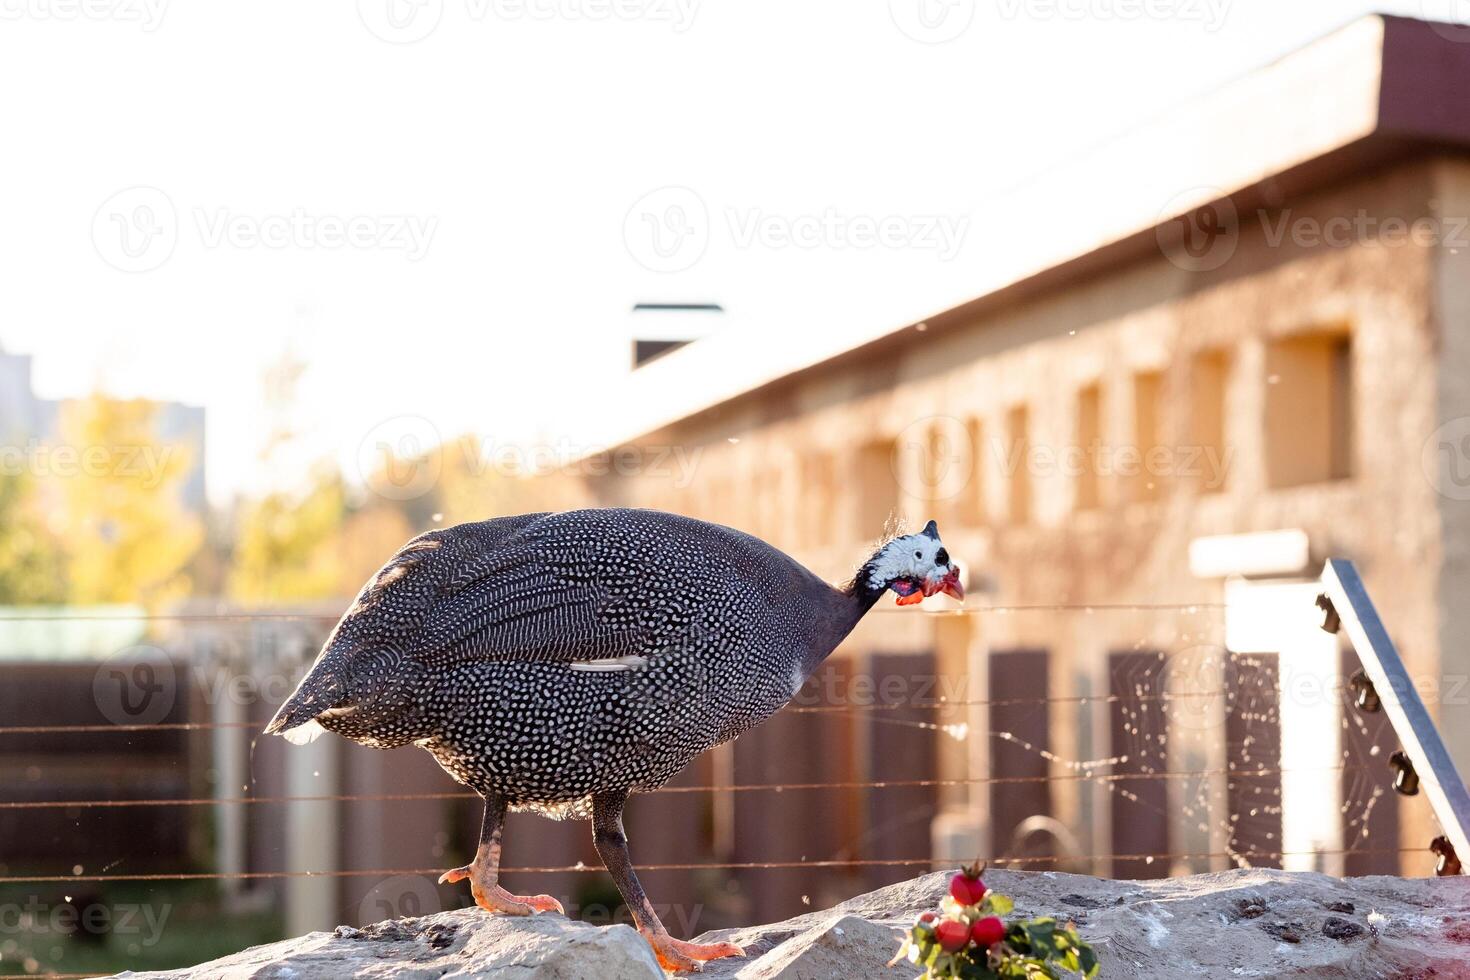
918,554
941,557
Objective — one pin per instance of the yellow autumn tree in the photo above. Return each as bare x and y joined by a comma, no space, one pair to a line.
288,544
127,534
31,561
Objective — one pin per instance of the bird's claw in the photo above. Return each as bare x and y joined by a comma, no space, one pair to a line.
493,898
675,954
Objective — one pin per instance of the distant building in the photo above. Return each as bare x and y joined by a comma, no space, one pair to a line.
1196,363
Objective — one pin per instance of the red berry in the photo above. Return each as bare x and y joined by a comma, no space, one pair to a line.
928,916
966,890
952,935
987,932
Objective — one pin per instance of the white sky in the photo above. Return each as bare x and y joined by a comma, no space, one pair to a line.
521,142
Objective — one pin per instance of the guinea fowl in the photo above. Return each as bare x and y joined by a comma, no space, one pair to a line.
559,662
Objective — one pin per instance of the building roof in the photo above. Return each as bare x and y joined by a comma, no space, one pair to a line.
1377,90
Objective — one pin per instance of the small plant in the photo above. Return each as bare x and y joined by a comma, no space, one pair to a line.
970,939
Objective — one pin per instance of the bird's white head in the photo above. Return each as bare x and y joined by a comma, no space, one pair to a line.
915,566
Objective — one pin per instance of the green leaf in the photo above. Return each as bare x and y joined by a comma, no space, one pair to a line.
996,904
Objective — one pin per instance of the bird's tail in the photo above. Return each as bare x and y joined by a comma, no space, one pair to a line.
319,694
296,723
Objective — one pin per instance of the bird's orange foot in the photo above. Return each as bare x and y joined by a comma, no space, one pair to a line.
675,954
493,898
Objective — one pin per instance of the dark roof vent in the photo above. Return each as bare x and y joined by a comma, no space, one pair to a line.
659,328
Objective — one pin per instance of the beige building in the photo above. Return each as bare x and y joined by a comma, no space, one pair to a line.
1189,367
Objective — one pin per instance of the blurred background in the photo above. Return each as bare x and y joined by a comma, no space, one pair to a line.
1152,305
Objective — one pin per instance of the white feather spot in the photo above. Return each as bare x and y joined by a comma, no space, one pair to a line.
304,734
629,662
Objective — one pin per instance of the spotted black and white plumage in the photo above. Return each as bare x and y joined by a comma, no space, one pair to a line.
548,657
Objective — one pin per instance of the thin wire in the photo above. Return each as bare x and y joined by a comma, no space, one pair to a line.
696,866
245,617
1004,702
192,726
171,726
741,788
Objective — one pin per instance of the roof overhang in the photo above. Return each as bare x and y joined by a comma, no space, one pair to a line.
1375,91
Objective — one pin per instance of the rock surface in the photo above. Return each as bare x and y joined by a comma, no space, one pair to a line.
1255,923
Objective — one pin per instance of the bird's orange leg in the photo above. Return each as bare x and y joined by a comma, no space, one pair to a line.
612,847
484,871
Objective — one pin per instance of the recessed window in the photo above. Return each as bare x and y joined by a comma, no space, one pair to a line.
974,511
1151,464
1207,459
1309,409
1018,463
1089,444
877,487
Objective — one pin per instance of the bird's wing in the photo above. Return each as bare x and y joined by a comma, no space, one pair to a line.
554,594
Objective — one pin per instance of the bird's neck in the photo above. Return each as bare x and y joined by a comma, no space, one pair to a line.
843,609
